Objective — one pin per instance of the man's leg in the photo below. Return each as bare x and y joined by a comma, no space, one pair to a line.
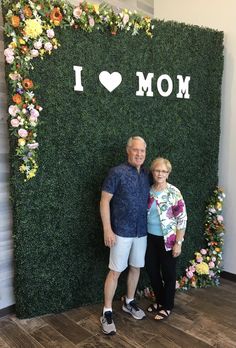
108,326
136,261
132,281
110,288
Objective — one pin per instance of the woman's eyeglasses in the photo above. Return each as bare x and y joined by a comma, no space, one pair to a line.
157,171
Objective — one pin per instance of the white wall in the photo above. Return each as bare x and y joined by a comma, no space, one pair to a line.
6,248
220,15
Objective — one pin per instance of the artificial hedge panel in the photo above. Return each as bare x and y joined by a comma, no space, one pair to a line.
60,258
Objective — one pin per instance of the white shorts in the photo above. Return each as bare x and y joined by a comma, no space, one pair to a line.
127,250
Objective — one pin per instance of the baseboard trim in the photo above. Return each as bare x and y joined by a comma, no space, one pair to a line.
228,276
7,310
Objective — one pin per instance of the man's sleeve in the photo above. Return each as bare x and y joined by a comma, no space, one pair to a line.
110,184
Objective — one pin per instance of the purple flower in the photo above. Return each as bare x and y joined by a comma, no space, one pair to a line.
20,90
175,210
170,241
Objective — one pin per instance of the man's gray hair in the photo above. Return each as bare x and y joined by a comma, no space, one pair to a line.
129,142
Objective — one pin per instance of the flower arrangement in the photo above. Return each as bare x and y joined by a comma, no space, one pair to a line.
31,27
205,268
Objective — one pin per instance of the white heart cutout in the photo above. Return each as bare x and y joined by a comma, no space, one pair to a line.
110,81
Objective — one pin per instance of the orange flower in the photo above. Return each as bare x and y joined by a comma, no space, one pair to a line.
27,83
27,11
56,16
24,49
15,21
17,98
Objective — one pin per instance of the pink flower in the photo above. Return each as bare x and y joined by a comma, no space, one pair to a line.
8,52
192,269
13,110
91,21
125,18
189,274
211,264
220,218
50,33
22,133
77,12
34,53
34,113
203,251
15,123
10,59
38,45
48,46
33,146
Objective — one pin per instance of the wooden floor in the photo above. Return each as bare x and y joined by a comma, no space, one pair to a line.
202,318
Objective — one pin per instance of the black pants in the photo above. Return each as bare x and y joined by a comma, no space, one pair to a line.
161,268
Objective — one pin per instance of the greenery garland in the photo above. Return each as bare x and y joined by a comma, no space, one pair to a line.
206,266
30,26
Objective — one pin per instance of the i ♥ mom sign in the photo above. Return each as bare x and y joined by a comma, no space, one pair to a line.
112,80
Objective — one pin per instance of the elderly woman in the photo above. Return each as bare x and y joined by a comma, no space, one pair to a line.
166,228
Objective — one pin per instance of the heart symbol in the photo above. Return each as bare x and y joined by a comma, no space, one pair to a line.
110,81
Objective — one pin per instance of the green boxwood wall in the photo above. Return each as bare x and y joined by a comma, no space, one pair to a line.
60,259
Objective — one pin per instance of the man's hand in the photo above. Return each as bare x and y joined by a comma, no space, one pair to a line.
109,238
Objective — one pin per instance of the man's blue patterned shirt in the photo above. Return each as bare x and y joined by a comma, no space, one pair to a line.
130,190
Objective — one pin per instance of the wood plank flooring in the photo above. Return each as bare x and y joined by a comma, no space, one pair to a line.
202,318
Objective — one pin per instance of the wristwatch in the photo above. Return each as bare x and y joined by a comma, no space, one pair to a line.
179,242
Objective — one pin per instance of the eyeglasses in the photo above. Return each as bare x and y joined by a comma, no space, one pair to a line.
157,171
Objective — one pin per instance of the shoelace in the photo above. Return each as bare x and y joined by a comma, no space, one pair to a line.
134,305
108,316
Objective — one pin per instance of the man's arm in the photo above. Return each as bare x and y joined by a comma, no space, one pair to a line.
109,235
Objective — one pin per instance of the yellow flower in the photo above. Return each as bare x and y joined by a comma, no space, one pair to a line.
13,44
218,206
31,174
217,250
96,8
202,268
22,168
21,41
33,28
21,142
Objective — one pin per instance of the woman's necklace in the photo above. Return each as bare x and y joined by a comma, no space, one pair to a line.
159,188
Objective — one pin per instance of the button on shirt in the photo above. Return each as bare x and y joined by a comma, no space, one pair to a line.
130,190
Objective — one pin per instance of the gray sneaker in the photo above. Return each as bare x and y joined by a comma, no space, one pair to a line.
108,326
134,310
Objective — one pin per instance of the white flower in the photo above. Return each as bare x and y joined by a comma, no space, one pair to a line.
34,53
50,33
38,45
48,46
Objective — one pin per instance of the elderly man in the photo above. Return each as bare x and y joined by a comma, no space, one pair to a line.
123,210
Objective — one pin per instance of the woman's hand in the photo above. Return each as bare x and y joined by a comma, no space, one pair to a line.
176,251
